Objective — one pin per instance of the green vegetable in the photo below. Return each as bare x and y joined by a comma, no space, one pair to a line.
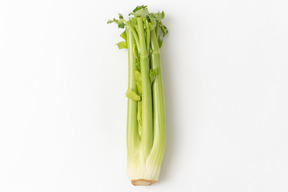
146,113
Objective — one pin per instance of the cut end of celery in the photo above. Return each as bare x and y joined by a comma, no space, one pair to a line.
142,182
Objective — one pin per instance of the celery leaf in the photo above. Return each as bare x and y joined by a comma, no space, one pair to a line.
122,45
153,74
133,95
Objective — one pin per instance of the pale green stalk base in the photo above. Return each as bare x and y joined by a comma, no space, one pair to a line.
139,168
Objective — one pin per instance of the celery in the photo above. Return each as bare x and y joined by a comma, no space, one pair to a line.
146,112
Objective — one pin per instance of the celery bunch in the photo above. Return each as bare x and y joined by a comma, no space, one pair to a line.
143,36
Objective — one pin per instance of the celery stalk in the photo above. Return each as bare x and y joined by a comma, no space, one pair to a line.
146,137
133,138
146,111
157,153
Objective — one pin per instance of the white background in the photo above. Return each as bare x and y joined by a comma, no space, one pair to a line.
63,105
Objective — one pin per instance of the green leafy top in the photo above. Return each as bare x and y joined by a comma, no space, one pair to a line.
140,11
139,8
120,22
151,21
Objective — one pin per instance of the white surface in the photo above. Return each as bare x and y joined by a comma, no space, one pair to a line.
63,105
